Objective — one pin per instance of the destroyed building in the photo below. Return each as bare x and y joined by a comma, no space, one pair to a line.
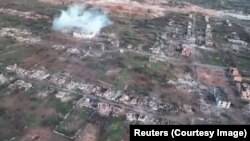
153,105
228,23
243,90
207,18
117,111
235,73
64,96
86,102
186,52
104,108
246,94
3,79
20,35
221,97
131,116
39,74
83,36
208,37
20,84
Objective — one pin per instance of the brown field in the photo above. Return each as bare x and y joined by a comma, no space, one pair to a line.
89,133
211,77
41,134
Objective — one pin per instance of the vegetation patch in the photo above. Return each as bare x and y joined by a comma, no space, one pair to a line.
74,121
61,107
114,131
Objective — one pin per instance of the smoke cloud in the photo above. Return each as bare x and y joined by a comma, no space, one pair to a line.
81,18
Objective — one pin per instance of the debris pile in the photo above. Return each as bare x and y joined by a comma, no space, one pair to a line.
3,79
25,15
63,80
64,96
243,88
20,84
246,94
237,77
42,94
20,35
83,36
208,37
147,119
221,97
58,47
39,74
186,51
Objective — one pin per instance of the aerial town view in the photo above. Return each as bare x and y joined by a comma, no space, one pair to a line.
84,70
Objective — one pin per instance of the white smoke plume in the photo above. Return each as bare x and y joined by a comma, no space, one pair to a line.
79,17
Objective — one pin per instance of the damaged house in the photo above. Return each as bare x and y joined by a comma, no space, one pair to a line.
244,91
235,73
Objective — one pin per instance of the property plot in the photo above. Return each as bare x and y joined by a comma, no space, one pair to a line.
74,121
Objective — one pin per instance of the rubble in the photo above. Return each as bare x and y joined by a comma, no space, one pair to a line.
72,85
39,74
117,111
188,109
121,50
228,23
238,42
104,108
242,88
221,98
64,96
85,102
143,118
20,35
73,51
155,50
108,94
129,46
237,77
155,58
207,18
134,101
142,102
62,80
246,94
83,36
59,79
131,116
124,99
87,88
189,31
58,47
186,52
26,15
20,84
153,105
208,36
3,79
42,94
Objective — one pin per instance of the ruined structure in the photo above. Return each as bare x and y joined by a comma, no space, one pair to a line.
237,77
221,98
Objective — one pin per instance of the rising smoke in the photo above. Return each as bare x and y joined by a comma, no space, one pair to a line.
81,18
